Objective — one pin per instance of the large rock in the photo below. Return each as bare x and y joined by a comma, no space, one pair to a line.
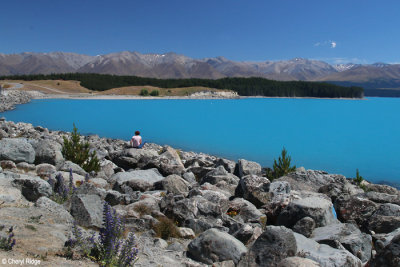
386,218
45,170
323,254
314,205
305,226
359,244
129,158
298,262
272,246
389,256
218,175
246,167
311,180
53,207
355,209
382,240
382,197
69,165
87,210
229,165
246,211
140,180
48,151
254,189
175,184
32,187
170,162
17,150
215,246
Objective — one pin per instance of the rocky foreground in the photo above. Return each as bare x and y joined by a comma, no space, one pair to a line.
227,213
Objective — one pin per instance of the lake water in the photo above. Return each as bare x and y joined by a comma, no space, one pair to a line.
337,136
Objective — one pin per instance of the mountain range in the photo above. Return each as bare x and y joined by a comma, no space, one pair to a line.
172,65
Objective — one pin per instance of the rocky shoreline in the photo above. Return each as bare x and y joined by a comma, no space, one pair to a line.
10,98
227,213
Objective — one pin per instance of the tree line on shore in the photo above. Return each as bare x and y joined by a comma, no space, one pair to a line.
253,86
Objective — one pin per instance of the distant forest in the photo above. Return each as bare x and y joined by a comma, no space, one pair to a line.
243,86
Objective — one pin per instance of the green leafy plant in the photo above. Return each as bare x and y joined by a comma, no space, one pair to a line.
282,166
78,152
154,93
144,92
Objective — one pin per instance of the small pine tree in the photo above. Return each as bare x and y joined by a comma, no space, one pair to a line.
358,178
79,152
282,167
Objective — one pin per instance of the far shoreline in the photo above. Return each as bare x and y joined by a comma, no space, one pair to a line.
136,97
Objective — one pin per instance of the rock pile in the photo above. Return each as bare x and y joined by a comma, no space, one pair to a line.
226,212
10,98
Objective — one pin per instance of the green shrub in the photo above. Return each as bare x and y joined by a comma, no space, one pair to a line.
282,167
358,178
165,228
144,92
79,152
154,93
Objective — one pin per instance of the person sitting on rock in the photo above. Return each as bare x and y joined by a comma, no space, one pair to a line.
136,141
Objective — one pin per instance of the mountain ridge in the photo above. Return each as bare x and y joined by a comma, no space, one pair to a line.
173,65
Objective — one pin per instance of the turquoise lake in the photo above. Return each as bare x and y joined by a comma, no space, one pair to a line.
337,136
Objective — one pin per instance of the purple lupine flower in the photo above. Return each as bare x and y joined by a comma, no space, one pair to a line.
71,180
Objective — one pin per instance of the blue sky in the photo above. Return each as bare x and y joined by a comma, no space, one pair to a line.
359,31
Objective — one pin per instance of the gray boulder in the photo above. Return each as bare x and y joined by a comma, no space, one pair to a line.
215,246
305,226
48,151
382,240
382,189
246,167
323,254
87,210
32,188
273,245
8,164
246,211
170,162
220,174
139,180
298,262
229,165
382,197
45,170
53,207
348,235
17,150
311,180
69,165
254,189
355,209
175,184
189,177
389,256
131,157
314,205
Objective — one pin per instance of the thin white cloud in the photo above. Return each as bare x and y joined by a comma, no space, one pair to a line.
330,43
